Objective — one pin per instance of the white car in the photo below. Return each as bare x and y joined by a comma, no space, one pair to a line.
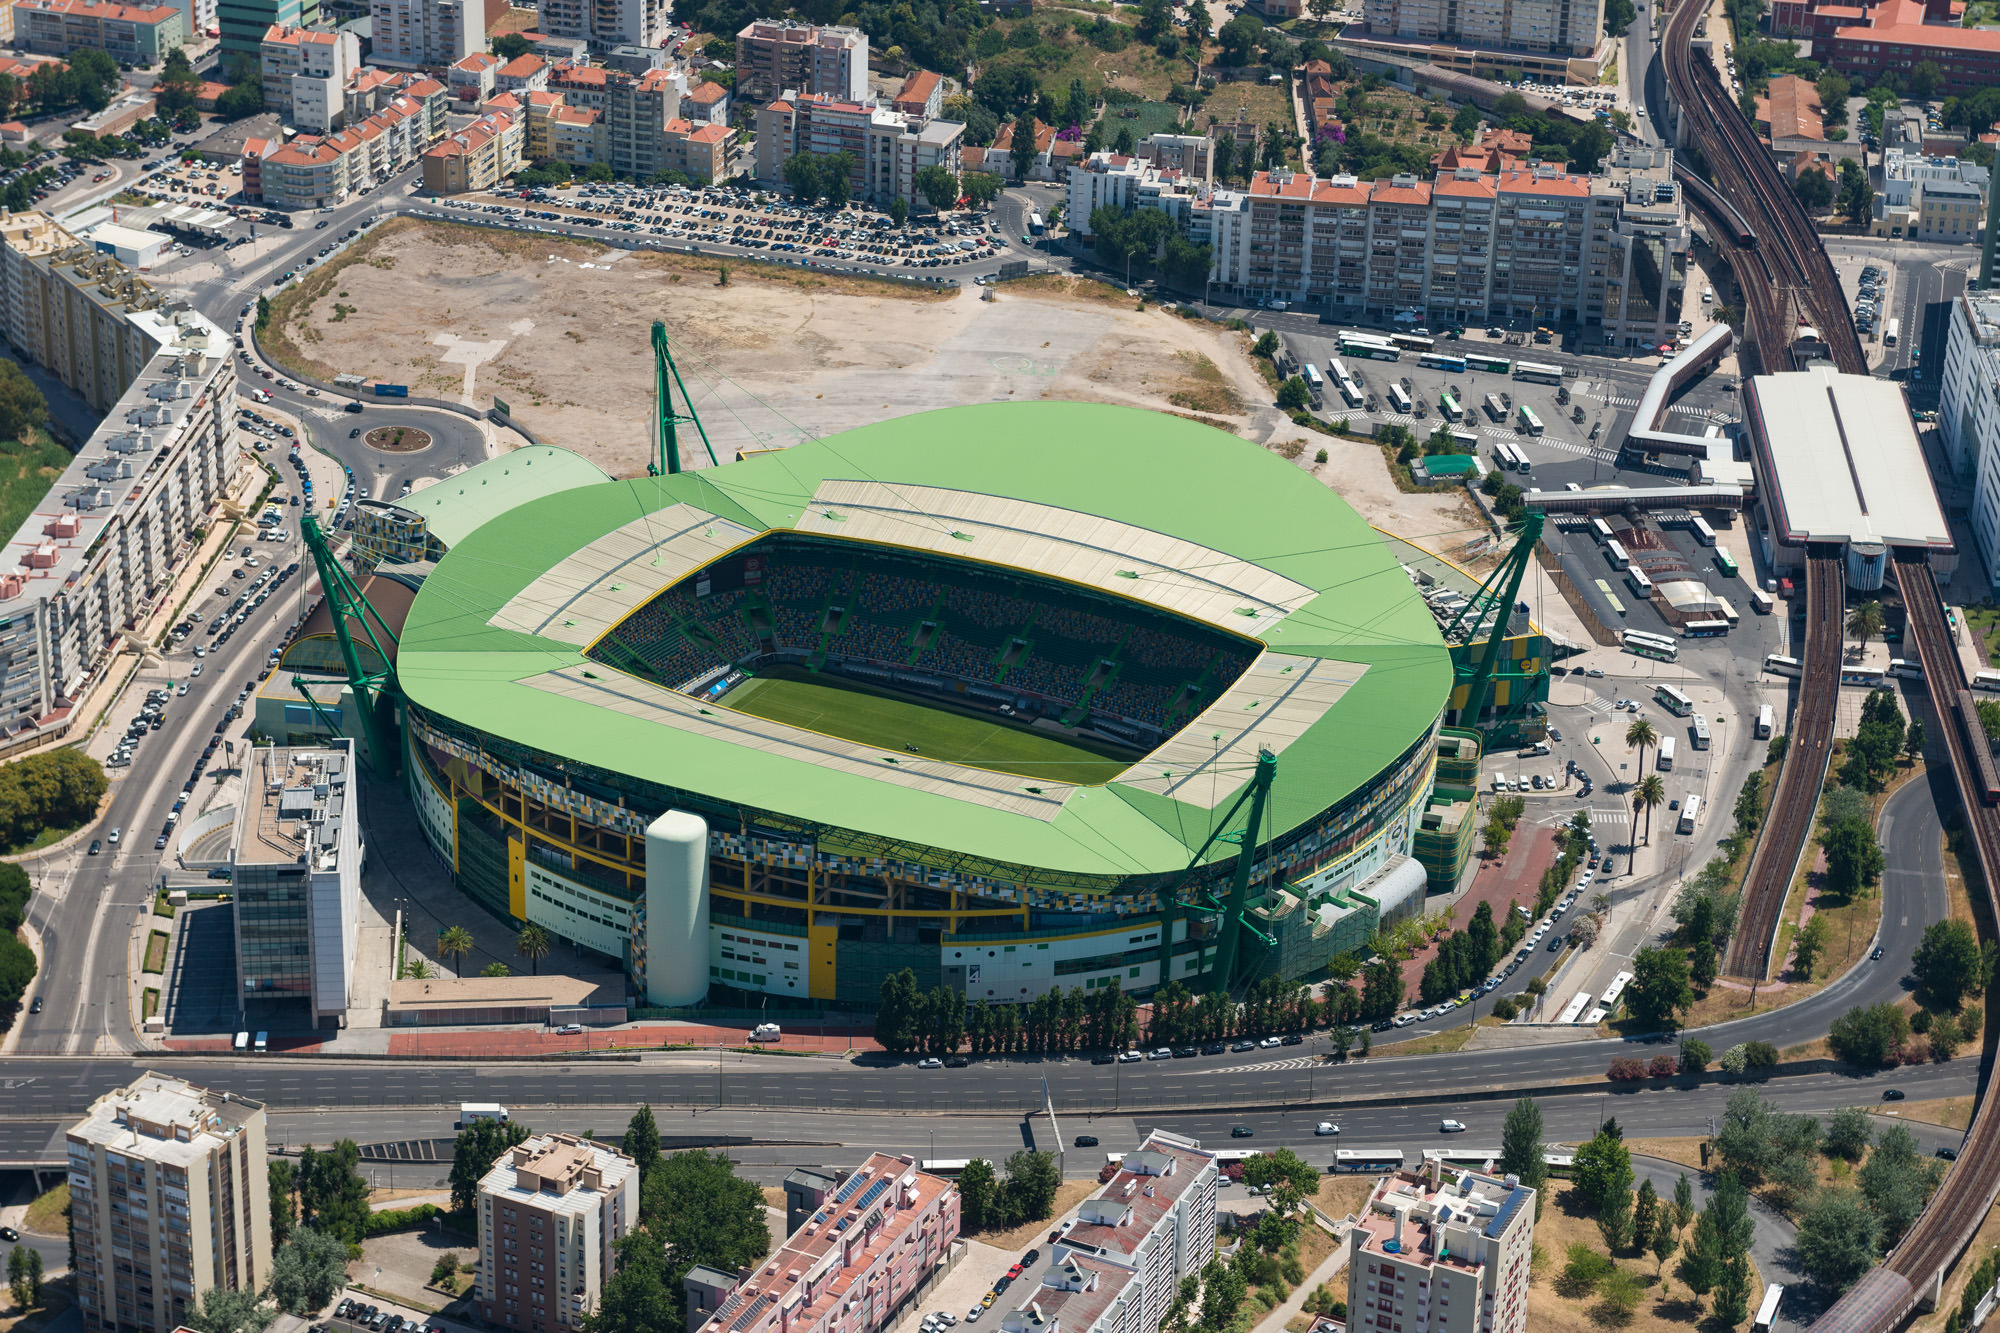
1269,1042
1129,1057
1451,1127
930,1062
1404,1020
1325,1127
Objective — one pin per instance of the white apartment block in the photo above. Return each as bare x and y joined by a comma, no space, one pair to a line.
606,23
1192,155
1930,198
306,73
551,1212
1969,414
169,1193
1107,180
427,32
889,147
77,311
1441,1252
1565,27
777,56
1607,252
1118,1265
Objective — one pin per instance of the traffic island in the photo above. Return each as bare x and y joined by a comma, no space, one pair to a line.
397,439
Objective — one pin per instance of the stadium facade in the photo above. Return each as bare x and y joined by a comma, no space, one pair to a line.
1109,614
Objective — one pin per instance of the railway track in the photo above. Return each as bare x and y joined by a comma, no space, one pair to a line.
1774,863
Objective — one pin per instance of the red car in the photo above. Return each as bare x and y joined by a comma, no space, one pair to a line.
1015,1271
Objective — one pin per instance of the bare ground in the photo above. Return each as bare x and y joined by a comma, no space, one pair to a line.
560,329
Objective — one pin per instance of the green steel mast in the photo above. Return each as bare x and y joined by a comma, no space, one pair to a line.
666,439
377,697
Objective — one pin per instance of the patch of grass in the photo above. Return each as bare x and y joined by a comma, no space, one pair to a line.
867,718
46,1215
156,952
1951,1112
1436,1044
1142,118
149,1004
1205,390
27,469
161,907
1068,1195
1061,285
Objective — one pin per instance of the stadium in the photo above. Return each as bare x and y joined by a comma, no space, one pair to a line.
966,692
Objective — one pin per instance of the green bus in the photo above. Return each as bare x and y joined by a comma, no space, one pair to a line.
1499,365
1727,564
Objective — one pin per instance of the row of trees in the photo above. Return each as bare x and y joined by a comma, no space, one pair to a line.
17,960
991,1201
1147,236
939,1022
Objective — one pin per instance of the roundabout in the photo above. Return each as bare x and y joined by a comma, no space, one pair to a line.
397,439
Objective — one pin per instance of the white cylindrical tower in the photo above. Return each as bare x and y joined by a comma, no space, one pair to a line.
677,909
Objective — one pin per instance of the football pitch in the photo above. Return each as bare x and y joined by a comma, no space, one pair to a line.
867,718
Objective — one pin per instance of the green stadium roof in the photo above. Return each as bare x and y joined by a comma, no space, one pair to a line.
1151,471
460,504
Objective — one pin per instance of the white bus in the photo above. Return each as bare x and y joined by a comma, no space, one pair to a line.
1381,1161
1398,399
1574,1009
1767,1312
1869,677
1350,391
1779,665
1495,408
1728,612
1640,584
1908,670
1615,989
1690,809
1764,722
1600,530
1035,227
1314,380
1642,636
1642,646
1614,551
1760,601
1539,372
1336,369
1698,724
1705,629
1702,532
1892,331
1671,699
1664,759
1530,423
1986,680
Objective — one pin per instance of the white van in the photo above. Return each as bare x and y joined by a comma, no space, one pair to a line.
766,1032
263,1043
468,1112
242,1042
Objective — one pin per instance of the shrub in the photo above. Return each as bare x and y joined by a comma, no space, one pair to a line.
1625,1069
1583,1271
402,1219
1665,1066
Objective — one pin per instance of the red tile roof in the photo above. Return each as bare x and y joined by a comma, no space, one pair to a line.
103,9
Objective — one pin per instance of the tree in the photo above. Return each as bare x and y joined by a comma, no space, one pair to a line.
642,1142
1814,189
1896,1180
229,1310
1239,39
1683,1201
1857,195
1836,1240
1022,149
1603,1167
24,1276
1521,1147
284,1209
981,187
532,942
511,46
1925,76
1913,740
1945,1037
1032,1181
1854,858
1849,1131
1665,1241
332,1195
453,944
1293,395
1695,1055
978,1191
1659,991
1732,1291
307,1272
703,1213
1614,1220
1639,736
1864,622
938,185
1645,1216
1381,991
1948,965
1807,945
639,1297
478,1146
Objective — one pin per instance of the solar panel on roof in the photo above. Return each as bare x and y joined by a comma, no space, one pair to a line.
846,1191
749,1316
1507,1208
874,1193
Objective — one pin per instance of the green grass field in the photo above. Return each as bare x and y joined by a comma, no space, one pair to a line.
867,718
26,473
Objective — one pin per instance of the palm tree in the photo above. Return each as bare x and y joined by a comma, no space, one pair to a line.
1864,622
1651,795
533,944
1640,735
453,944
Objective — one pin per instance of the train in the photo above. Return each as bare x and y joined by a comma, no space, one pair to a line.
1979,747
1720,209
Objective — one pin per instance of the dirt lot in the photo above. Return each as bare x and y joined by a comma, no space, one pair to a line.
560,330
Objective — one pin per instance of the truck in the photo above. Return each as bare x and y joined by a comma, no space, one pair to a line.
472,1112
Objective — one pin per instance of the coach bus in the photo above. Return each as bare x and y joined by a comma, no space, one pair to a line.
1702,532
1443,361
1904,667
1495,408
1371,345
1499,365
1573,1011
1986,680
1530,423
1538,372
1763,722
1690,811
1728,612
1698,724
1760,601
1644,636
1398,399
1600,530
1645,645
1617,988
1767,1311
1377,1160
1870,677
1641,585
1663,758
1314,380
951,1168
1035,227
1349,390
1448,405
1413,342
1511,457
1779,665
1725,564
1671,699
1614,551
1705,629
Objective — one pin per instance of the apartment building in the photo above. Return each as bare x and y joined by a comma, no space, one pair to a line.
706,104
169,1195
244,22
1560,27
889,148
471,79
606,24
1606,253
478,156
779,56
313,171
1191,155
523,74
1135,1239
1111,180
77,312
1930,197
133,34
857,1262
636,112
1969,413
306,73
551,1212
295,856
1442,1251
426,32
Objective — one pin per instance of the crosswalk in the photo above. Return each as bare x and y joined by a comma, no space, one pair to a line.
1273,1066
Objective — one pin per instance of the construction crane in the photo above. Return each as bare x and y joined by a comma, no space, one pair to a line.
377,697
1256,795
1495,598
666,438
